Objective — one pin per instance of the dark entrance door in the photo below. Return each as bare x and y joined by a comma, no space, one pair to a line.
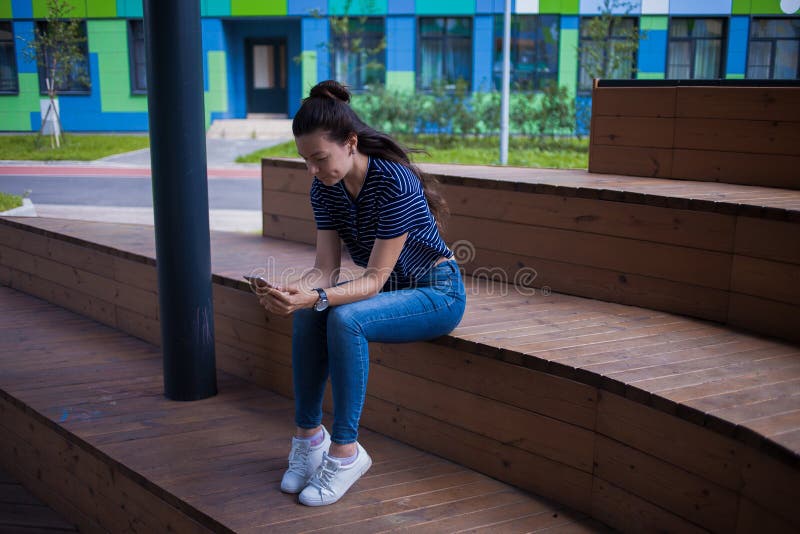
266,76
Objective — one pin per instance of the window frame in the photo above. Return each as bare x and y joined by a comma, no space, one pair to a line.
772,41
71,92
634,60
537,79
14,66
132,58
444,36
723,54
381,35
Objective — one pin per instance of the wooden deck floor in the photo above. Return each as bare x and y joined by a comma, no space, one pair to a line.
224,456
742,385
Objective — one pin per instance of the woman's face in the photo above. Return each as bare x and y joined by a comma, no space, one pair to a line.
328,160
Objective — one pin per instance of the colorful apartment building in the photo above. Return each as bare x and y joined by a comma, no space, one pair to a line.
261,56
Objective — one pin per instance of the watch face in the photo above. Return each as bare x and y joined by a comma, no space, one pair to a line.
322,302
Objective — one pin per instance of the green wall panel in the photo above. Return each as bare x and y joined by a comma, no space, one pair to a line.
445,7
109,40
15,110
216,98
649,75
766,7
308,72
357,7
78,9
258,7
654,23
101,8
400,80
216,8
568,60
563,7
5,9
735,76
740,7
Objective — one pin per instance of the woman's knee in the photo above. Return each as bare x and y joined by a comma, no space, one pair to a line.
343,319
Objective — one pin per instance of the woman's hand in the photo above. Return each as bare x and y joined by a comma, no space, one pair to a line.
287,300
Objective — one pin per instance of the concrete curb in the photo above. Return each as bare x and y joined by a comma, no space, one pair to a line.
26,210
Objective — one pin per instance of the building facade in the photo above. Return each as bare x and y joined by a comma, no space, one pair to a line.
262,56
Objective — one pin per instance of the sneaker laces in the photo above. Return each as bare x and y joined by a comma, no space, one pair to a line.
324,476
298,460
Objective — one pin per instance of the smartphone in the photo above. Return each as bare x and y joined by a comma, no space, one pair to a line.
258,283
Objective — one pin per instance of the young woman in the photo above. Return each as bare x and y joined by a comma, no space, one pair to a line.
366,193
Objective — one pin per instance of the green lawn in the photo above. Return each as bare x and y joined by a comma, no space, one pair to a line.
559,153
75,147
8,202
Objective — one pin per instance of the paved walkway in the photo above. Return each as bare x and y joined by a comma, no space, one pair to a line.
226,141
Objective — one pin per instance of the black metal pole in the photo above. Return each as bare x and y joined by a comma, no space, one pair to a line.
180,196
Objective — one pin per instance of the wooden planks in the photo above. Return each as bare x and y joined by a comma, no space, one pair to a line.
671,257
740,135
546,391
138,460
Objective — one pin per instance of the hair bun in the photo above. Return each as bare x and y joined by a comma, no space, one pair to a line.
330,89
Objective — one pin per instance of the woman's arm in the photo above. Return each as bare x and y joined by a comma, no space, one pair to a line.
381,263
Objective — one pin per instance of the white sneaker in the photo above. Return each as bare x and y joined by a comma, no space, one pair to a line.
303,462
332,480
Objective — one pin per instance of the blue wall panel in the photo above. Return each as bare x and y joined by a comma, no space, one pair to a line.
235,33
21,9
25,31
213,39
737,45
492,6
483,51
400,7
129,8
84,113
400,44
706,7
653,52
316,33
305,7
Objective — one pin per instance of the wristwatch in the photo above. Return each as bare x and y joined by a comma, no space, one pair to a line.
322,302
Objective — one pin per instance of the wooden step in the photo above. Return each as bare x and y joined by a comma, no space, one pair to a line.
91,432
610,409
722,252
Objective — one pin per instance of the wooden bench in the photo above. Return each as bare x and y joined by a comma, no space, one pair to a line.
722,252
615,411
735,131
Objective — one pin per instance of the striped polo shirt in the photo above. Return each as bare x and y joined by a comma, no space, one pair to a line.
390,203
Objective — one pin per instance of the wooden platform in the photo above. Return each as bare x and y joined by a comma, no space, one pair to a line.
724,252
614,410
84,402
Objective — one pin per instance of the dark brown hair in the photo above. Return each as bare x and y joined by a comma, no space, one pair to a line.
327,109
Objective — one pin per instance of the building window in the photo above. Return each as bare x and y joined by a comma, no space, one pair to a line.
445,51
8,61
695,48
613,56
774,49
358,51
77,81
136,53
534,51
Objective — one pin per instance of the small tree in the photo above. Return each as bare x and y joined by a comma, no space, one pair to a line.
58,50
609,46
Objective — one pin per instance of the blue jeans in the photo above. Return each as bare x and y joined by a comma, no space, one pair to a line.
335,342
